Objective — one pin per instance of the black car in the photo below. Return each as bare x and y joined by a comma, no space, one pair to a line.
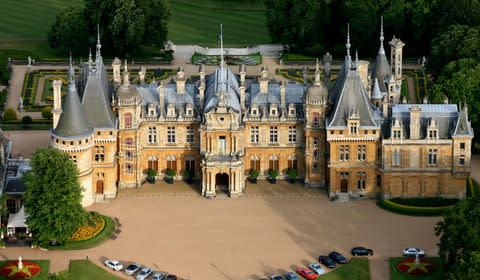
337,257
328,262
361,251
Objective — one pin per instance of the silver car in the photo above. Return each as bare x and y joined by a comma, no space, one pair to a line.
115,265
131,269
412,252
142,275
315,267
158,276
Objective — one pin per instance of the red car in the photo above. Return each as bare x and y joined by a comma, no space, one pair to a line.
307,273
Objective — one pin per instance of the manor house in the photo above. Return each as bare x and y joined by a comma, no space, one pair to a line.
356,138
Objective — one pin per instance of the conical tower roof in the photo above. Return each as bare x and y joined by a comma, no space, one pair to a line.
381,70
72,122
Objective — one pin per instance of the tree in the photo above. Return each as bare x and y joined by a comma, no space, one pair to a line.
26,120
467,269
458,232
9,115
47,112
52,197
69,31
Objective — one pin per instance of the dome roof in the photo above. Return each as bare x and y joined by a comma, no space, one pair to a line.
127,94
316,93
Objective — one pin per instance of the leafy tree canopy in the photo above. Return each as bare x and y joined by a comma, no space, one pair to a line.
69,31
47,112
53,195
468,268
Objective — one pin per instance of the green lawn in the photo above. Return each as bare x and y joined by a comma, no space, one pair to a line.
86,270
192,22
397,275
44,264
355,269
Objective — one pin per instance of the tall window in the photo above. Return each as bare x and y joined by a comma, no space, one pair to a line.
292,134
254,134
190,164
292,163
379,153
361,180
315,143
255,163
362,153
396,157
128,120
128,141
99,153
396,134
462,146
354,128
461,161
344,154
273,134
153,163
171,134
273,163
432,157
152,134
129,168
315,169
190,134
172,163
315,119
432,133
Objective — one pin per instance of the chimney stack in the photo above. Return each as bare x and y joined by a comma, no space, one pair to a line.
415,122
117,80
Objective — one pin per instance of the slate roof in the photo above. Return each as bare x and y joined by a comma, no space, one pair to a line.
15,186
381,70
222,80
150,95
463,125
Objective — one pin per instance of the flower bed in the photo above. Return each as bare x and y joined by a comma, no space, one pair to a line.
229,59
94,227
425,267
29,270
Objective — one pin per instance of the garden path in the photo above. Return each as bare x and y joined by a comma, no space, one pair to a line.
411,90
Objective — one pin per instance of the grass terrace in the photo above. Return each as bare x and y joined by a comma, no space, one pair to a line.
86,270
355,269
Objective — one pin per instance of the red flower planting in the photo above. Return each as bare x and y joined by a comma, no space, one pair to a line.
425,267
11,271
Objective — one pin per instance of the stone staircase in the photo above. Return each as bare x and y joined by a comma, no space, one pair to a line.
343,197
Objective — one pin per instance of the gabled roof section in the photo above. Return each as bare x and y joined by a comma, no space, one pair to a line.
353,96
222,80
463,125
96,101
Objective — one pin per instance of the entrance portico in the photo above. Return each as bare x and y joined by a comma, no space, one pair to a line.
227,178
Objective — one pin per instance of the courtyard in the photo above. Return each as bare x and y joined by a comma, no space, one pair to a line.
273,229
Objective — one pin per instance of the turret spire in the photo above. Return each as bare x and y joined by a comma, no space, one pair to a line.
348,40
356,59
90,61
71,72
381,36
99,46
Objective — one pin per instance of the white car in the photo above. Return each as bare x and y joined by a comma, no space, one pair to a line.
315,267
131,269
115,265
158,276
142,275
412,252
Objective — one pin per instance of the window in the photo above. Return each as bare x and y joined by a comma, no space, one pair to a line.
344,154
71,143
74,159
254,136
100,175
315,154
255,163
361,153
99,153
152,134
129,168
432,134
190,164
462,146
315,119
396,157
273,134
190,134
172,163
315,169
396,134
292,163
461,161
189,112
171,134
379,153
361,180
273,163
292,134
12,206
153,163
222,145
354,128
432,157
128,141
315,142
128,120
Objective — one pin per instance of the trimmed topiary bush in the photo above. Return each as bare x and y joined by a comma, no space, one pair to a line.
27,120
47,112
9,115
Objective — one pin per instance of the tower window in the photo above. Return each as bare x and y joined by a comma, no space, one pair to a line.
292,134
171,134
99,153
190,134
273,134
432,157
152,134
254,134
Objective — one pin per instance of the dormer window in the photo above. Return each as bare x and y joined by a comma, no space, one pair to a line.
273,110
397,130
171,110
152,110
397,134
353,126
291,110
432,130
189,111
254,110
315,119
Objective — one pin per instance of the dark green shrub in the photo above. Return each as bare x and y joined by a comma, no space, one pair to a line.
151,173
292,173
27,120
425,201
47,112
171,173
9,115
254,173
273,173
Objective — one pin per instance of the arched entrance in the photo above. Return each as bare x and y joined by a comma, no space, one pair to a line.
221,182
344,186
99,187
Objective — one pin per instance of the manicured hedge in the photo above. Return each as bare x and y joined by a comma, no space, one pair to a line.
412,210
425,201
473,189
297,57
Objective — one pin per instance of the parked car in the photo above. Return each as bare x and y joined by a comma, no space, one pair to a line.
412,252
337,257
131,269
158,276
291,276
361,251
115,265
276,277
328,262
306,273
142,275
171,277
318,269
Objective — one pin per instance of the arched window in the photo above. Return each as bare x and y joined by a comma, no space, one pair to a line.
128,120
315,119
172,163
255,163
153,163
128,141
190,163
273,163
292,163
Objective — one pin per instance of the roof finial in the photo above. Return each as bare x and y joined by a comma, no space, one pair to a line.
126,68
70,70
90,61
316,67
348,40
221,46
381,30
356,58
99,46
